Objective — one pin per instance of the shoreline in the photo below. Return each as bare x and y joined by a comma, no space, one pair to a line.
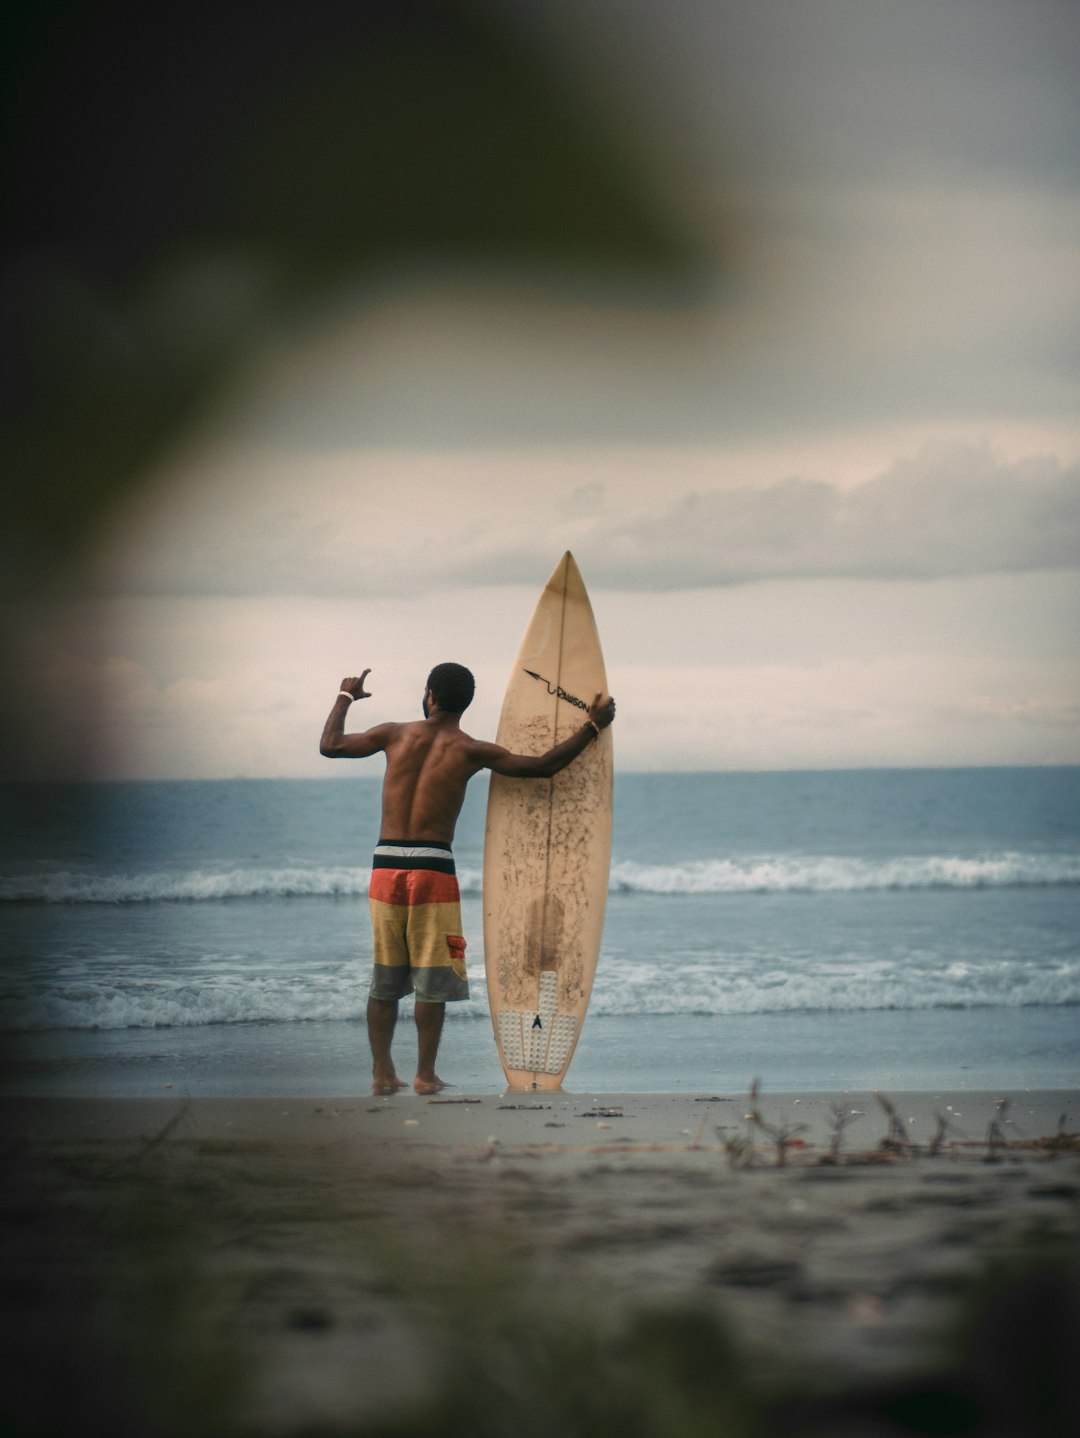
903,1051
522,1118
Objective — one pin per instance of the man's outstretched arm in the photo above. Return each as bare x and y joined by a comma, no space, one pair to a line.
335,743
546,766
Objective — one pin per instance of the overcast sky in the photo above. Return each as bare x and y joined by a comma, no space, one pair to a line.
828,513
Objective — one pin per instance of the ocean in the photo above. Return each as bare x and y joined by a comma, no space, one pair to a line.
905,929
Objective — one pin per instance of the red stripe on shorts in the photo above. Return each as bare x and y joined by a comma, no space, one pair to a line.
408,887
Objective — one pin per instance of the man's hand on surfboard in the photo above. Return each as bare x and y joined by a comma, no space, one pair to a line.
355,686
602,711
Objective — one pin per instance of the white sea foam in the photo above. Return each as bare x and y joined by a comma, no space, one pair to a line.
789,873
841,988
194,886
762,874
714,985
168,1006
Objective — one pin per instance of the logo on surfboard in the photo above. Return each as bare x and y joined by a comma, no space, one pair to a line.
559,691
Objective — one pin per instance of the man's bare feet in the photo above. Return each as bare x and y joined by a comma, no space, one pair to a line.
429,1085
384,1084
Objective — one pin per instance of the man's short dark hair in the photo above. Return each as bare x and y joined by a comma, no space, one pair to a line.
452,687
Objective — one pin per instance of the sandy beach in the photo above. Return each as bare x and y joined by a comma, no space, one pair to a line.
825,1263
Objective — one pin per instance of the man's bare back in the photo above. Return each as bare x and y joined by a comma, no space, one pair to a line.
428,767
430,761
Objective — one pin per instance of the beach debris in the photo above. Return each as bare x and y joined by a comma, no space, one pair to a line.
522,1107
1050,1144
738,1148
412,1123
896,1139
157,1139
1062,1140
940,1133
783,1135
602,1113
490,1150
995,1133
454,1100
842,1116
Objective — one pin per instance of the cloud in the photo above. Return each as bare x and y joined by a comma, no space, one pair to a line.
952,510
859,85
671,522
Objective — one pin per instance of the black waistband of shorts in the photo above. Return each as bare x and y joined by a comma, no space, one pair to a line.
413,854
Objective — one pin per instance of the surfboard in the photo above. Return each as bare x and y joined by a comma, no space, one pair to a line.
547,844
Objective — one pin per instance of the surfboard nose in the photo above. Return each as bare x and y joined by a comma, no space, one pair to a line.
565,579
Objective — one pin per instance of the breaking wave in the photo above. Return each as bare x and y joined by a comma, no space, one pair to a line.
789,873
81,999
762,874
191,886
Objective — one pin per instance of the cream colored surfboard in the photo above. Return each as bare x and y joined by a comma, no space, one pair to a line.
547,848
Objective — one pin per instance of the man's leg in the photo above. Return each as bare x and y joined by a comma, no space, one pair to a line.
381,1019
429,1026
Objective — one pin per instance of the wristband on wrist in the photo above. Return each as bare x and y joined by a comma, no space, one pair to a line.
594,726
344,694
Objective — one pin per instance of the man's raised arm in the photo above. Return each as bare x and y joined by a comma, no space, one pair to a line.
335,743
546,766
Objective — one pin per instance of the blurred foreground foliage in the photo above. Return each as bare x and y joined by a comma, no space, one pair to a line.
180,180
115,1322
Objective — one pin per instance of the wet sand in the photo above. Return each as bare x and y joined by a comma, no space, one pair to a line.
653,1262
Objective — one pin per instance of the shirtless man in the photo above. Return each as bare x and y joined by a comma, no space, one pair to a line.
415,903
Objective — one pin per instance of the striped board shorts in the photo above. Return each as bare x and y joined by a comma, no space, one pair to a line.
416,923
